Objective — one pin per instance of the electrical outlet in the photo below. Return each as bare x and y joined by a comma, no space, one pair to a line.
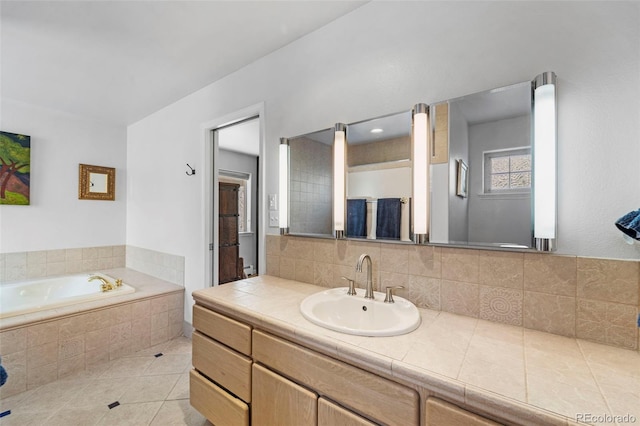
273,202
273,219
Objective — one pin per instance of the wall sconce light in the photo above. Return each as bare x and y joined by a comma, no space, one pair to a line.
545,163
339,157
283,214
420,157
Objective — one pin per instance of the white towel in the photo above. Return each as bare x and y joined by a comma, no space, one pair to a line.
404,221
372,218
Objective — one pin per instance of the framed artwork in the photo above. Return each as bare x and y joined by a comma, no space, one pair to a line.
15,168
96,183
463,179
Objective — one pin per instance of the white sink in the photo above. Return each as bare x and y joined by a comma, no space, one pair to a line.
335,310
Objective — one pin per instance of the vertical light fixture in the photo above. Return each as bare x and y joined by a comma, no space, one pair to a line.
339,157
283,214
545,163
420,157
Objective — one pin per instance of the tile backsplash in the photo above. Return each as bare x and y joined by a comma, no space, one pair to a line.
589,298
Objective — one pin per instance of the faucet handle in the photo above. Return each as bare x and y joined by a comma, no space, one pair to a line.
119,282
352,286
389,297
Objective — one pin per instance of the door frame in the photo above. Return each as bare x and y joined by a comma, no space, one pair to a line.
210,148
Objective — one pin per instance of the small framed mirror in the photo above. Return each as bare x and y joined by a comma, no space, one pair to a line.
96,183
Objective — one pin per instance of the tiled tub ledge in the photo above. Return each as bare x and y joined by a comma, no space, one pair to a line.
508,373
40,347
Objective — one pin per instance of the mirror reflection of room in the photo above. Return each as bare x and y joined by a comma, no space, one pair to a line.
489,132
311,183
379,178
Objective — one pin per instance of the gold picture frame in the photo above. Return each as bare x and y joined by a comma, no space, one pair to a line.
96,183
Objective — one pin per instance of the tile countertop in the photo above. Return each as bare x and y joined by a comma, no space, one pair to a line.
525,376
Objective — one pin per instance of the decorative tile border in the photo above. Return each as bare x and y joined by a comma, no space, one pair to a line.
589,298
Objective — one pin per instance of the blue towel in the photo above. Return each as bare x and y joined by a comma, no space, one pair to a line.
630,224
356,218
3,374
389,212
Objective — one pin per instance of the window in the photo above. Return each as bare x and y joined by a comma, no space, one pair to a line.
244,196
507,171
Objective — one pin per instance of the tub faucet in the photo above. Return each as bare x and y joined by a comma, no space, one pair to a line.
368,294
105,286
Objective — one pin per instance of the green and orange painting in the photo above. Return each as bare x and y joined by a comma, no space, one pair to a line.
15,168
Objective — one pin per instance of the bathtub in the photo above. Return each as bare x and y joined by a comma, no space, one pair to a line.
47,293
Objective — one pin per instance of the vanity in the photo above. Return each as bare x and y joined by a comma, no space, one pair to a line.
258,361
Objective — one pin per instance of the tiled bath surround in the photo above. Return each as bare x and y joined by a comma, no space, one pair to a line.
22,266
588,298
39,264
43,352
165,266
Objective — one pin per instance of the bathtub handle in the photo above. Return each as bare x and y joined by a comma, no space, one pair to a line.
119,282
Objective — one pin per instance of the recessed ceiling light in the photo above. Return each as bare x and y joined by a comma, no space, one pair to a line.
376,130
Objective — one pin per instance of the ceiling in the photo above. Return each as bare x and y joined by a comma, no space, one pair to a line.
119,61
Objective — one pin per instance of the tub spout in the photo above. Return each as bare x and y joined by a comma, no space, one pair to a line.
105,286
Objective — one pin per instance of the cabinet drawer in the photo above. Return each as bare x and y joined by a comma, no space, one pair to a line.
230,332
381,399
330,414
278,401
441,413
224,366
213,402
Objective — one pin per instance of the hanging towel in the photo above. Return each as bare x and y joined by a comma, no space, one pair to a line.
356,218
389,213
405,219
3,374
630,224
372,218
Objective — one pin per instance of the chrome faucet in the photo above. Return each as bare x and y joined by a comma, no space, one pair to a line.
368,294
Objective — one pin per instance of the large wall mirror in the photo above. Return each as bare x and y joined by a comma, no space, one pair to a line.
378,182
482,195
492,173
311,184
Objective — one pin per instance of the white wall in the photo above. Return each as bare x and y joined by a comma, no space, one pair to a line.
387,56
56,219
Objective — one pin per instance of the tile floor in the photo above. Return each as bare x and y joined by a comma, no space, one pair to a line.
150,390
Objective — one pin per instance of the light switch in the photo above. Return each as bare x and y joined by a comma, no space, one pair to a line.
273,202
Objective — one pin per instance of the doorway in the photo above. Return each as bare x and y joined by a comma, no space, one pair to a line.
236,179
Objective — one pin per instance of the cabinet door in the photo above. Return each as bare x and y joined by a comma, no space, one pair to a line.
278,401
330,414
442,413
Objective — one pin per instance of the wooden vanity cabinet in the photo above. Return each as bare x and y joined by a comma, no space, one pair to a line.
220,383
442,413
330,414
381,400
279,401
243,376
